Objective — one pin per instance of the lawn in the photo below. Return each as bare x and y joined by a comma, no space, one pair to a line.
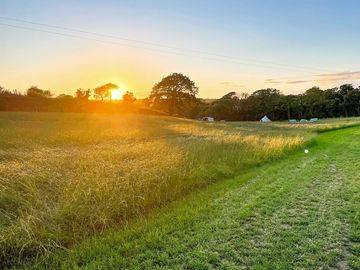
67,177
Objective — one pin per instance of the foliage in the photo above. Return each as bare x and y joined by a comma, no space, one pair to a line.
176,95
104,91
228,107
83,94
334,102
173,93
36,92
128,98
8,93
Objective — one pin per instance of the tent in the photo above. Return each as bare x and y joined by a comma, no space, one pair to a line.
265,119
208,119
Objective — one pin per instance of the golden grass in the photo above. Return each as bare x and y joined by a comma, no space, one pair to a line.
64,177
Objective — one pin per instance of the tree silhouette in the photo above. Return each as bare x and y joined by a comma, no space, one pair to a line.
104,91
34,91
83,94
128,98
9,93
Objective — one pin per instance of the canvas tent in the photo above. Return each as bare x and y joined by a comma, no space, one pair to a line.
265,119
208,119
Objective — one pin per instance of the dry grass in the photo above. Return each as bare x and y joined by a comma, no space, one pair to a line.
64,177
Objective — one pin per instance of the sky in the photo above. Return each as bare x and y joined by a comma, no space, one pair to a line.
223,46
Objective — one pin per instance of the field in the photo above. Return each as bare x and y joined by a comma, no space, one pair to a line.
66,177
298,212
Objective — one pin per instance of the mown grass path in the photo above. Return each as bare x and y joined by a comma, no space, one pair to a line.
302,211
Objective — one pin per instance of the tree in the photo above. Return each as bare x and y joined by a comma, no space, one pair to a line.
343,92
128,98
314,101
173,93
83,94
34,91
292,105
266,102
332,102
227,108
353,101
8,93
104,91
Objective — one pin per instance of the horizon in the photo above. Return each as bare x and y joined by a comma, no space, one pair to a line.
286,45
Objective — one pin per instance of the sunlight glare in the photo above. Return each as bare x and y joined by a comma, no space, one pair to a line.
117,94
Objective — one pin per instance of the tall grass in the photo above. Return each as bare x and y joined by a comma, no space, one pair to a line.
64,177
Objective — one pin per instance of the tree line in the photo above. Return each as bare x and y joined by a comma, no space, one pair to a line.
176,95
40,100
99,93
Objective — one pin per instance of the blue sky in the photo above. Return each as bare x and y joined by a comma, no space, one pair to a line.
221,45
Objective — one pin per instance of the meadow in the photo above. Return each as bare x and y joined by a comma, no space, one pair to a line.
297,212
65,177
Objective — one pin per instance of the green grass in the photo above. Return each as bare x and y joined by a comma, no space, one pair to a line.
67,177
302,211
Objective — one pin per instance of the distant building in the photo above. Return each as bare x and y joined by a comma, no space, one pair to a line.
265,119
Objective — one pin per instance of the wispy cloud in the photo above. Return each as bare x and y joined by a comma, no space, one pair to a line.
324,78
339,76
272,81
298,82
231,84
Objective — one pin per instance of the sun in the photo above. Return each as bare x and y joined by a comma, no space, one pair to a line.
117,94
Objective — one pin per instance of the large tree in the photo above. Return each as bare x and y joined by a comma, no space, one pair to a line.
173,93
104,91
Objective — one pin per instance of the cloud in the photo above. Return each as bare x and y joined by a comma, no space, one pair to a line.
298,82
231,84
272,81
339,76
346,76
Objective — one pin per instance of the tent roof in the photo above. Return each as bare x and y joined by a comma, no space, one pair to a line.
265,119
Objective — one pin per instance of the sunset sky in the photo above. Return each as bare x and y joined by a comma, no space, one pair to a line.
222,45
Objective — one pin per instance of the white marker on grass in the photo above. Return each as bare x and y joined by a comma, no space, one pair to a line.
306,151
